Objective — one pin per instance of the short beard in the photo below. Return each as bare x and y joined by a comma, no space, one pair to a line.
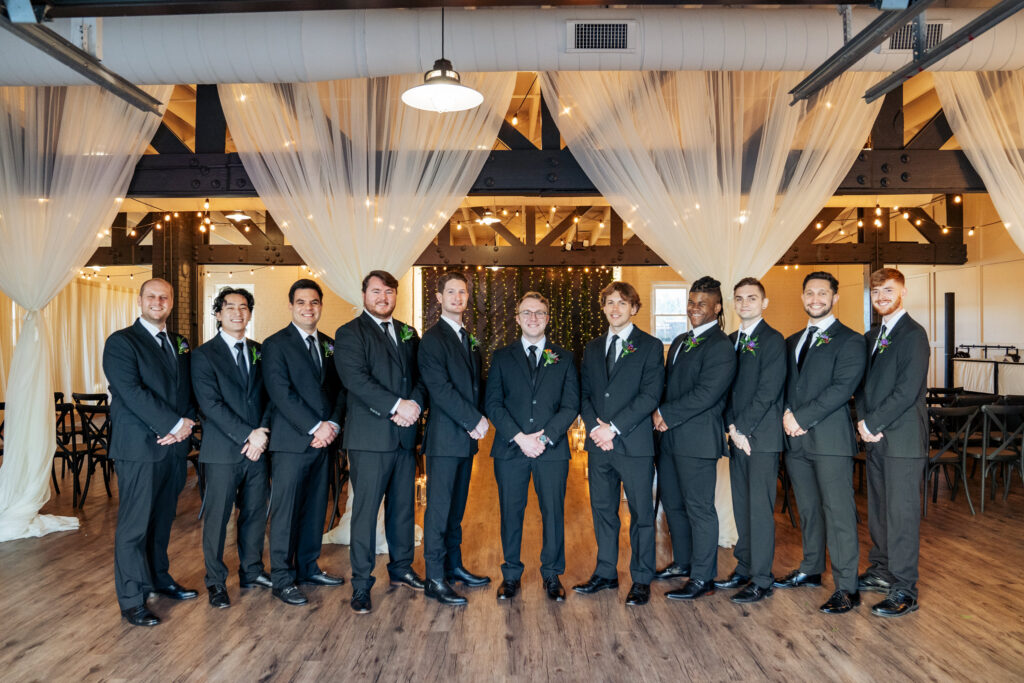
823,315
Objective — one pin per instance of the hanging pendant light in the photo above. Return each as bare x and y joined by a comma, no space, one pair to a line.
442,90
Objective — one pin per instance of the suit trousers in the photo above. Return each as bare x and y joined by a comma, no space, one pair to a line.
823,488
753,479
147,504
389,476
687,487
447,492
298,505
608,471
894,516
513,478
246,484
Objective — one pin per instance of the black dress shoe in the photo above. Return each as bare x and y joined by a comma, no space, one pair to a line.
554,589
752,593
594,584
872,584
176,592
639,594
321,579
409,578
734,581
140,616
508,589
796,579
262,580
673,571
841,602
443,593
693,589
361,603
219,596
896,604
291,595
465,576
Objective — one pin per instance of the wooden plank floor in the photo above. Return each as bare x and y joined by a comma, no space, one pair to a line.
59,619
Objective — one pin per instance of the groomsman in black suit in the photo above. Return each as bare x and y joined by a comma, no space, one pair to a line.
152,413
894,427
622,378
452,371
375,355
227,378
826,363
308,403
754,416
533,397
700,367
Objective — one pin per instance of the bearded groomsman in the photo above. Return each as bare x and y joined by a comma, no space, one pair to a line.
622,379
308,403
700,367
452,371
227,377
826,363
375,355
894,427
532,398
152,413
754,415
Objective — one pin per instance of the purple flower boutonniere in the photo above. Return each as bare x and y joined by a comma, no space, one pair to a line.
256,355
823,338
749,346
407,333
549,357
328,349
182,346
627,348
692,343
883,343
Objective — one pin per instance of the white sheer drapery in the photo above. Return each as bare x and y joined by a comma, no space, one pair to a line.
356,179
66,154
985,110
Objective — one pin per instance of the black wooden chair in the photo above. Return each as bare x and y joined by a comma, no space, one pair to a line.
1003,446
69,450
975,399
95,425
942,396
337,477
91,399
950,430
195,444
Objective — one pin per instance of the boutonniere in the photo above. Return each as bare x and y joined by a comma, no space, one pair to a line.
473,342
182,346
328,349
883,343
749,345
407,333
549,357
823,338
256,355
627,348
692,343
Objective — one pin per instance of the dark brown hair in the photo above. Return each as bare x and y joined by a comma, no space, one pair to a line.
750,282
625,290
448,277
384,276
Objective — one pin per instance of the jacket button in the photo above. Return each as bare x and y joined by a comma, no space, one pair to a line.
607,395
534,401
531,419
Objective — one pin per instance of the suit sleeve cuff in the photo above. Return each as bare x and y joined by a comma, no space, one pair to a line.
394,408
177,425
315,427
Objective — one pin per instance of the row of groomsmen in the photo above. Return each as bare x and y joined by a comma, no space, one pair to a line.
290,395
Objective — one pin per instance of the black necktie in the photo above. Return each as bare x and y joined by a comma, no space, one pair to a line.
315,354
878,341
242,361
610,356
805,347
532,359
688,337
165,346
387,334
742,340
469,350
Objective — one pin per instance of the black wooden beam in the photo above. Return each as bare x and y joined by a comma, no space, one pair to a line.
190,175
165,141
211,127
887,131
906,171
562,227
550,138
934,135
513,139
465,255
246,254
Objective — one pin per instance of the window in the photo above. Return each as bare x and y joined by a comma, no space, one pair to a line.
669,311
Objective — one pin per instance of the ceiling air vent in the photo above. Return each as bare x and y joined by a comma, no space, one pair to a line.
903,40
601,36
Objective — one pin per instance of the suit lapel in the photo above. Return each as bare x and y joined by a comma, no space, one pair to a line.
815,344
522,360
377,332
453,338
622,355
227,360
150,344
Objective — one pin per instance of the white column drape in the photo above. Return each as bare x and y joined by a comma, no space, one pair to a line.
356,179
66,154
985,110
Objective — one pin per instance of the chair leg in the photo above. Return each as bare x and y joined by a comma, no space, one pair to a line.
88,478
967,491
106,477
53,476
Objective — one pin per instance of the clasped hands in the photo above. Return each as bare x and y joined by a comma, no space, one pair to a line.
739,440
791,426
480,431
324,435
530,444
603,435
184,431
406,413
866,434
256,443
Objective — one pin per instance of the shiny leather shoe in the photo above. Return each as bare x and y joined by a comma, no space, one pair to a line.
465,576
752,593
693,589
896,604
291,595
554,589
841,602
409,578
361,603
443,593
796,579
673,571
321,579
508,589
219,596
594,584
734,581
140,616
176,592
262,580
639,594
872,583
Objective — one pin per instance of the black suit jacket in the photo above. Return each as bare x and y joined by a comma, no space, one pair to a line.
376,374
695,390
755,400
629,397
891,398
231,408
300,396
516,404
148,396
819,394
456,392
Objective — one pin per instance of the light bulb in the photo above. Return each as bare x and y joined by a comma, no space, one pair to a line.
167,217
957,199
818,226
860,224
515,120
945,230
206,204
878,210
906,215
158,226
970,233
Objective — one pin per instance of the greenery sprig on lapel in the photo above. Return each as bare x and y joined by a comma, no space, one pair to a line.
256,355
884,342
823,338
406,333
627,348
692,343
328,349
749,346
549,357
182,346
473,342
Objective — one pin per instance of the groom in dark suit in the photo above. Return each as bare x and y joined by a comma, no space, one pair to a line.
533,397
376,360
152,413
227,376
894,427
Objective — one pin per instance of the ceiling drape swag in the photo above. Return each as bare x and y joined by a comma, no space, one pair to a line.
66,155
713,170
357,180
985,110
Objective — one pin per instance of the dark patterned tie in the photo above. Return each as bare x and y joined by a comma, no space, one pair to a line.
384,326
742,341
532,360
165,346
610,357
242,361
315,355
878,342
805,347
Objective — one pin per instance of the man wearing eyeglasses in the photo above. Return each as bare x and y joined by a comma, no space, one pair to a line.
532,398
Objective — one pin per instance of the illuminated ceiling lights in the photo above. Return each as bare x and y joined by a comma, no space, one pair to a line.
442,90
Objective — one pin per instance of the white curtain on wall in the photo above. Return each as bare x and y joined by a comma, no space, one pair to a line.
356,179
985,110
66,155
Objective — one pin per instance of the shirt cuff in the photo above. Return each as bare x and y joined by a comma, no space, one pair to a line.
315,427
394,408
614,428
337,427
177,425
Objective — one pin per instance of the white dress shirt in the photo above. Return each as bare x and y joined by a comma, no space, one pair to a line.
747,330
822,325
540,347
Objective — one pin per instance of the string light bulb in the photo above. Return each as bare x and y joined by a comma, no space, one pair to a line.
860,224
917,222
878,222
175,214
515,120
818,226
206,205
970,233
167,217
158,226
878,210
945,229
957,199
906,215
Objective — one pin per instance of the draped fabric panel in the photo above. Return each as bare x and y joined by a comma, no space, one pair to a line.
356,179
66,155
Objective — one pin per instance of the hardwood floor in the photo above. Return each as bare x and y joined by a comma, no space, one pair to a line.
59,619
